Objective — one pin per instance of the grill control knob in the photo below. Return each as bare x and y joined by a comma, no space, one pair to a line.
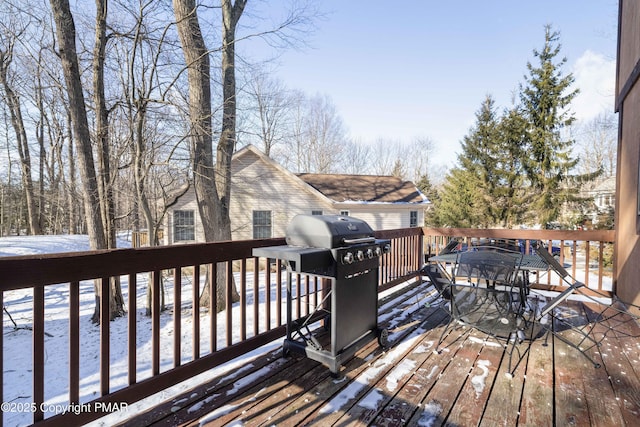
360,256
348,258
369,253
387,248
378,251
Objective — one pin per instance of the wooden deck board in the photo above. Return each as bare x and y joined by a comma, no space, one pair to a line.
444,393
472,400
536,408
387,388
415,388
619,385
503,402
465,383
569,365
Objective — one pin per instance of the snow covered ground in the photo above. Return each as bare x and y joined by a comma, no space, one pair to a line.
17,322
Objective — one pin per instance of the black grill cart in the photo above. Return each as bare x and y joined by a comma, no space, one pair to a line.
345,251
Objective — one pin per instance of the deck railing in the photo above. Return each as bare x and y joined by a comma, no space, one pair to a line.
133,361
587,255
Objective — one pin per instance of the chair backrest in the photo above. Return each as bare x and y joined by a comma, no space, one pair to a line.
439,278
449,248
494,265
551,261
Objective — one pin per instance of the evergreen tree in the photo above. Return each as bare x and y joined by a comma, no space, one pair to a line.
467,196
510,196
429,190
426,187
545,99
517,168
478,157
457,204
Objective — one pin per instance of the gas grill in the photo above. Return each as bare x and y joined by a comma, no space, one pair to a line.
344,250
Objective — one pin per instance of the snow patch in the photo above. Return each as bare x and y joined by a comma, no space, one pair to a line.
430,414
478,381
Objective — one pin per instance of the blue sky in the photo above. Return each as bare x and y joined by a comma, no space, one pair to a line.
399,70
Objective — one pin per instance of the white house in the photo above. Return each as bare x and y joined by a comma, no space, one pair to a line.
265,197
604,197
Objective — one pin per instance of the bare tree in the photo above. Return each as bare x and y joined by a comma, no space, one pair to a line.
231,13
269,110
598,144
65,29
105,179
318,137
7,43
419,155
384,154
207,189
405,160
10,200
291,156
356,158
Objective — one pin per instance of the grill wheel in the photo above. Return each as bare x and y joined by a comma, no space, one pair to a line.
383,338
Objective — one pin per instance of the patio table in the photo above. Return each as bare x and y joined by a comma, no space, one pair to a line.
493,298
530,262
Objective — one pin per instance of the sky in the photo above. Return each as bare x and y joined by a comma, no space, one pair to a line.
422,68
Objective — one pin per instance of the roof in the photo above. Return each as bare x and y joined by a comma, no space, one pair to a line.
607,185
364,188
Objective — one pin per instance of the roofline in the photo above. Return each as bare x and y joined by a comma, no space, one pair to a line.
302,184
308,187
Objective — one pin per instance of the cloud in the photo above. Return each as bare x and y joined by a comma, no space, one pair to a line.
595,76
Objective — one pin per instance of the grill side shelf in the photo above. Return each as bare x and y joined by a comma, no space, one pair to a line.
301,260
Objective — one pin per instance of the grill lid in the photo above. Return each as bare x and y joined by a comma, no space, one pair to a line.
327,231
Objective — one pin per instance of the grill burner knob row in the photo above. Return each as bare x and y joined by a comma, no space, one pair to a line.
348,258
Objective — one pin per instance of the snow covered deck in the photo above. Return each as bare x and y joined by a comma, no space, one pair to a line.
410,384
57,368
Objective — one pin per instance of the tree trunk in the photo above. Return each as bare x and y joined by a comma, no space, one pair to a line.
65,30
102,126
211,206
105,191
40,126
227,142
226,145
17,122
71,185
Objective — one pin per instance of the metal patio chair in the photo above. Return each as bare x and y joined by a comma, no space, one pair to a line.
484,293
437,275
608,314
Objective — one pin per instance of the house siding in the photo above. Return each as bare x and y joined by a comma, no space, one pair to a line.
385,217
627,248
257,183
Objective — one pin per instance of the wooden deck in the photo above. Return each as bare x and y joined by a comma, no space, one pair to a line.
465,384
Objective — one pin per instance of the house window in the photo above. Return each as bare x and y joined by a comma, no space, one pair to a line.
261,224
413,218
344,213
316,212
184,228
